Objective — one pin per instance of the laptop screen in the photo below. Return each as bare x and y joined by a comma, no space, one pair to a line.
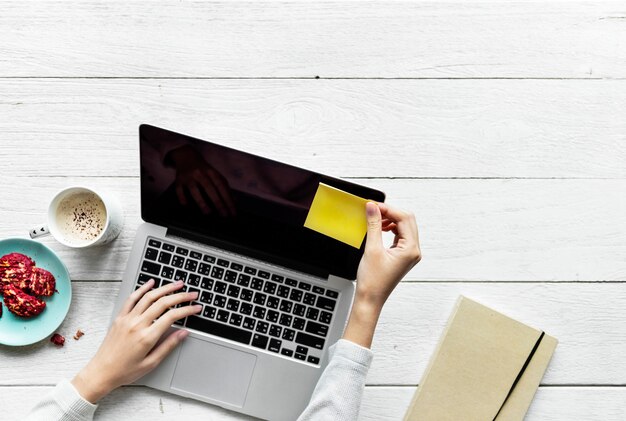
241,202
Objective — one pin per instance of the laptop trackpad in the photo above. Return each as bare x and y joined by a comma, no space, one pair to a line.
213,371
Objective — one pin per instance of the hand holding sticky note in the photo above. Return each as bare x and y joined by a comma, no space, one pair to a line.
338,214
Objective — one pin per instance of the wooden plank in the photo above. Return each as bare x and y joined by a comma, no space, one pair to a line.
350,128
587,319
326,39
379,404
498,230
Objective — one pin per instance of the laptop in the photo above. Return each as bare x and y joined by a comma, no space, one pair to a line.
275,294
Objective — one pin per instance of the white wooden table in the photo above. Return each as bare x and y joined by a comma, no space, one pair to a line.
501,125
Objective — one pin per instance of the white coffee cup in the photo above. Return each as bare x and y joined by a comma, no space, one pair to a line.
79,217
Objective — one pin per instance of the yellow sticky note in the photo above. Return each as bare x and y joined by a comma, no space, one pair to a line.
338,214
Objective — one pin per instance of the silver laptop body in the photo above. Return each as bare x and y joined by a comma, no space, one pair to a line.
250,350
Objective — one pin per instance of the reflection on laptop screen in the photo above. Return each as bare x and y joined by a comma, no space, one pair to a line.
240,202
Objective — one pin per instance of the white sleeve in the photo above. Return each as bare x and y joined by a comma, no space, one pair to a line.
63,403
339,390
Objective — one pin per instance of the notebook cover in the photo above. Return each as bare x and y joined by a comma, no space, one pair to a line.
479,365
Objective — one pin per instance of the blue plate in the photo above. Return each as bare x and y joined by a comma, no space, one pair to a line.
17,331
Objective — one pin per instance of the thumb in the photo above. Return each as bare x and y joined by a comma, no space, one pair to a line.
374,226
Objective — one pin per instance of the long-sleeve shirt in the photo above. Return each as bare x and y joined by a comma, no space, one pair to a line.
337,395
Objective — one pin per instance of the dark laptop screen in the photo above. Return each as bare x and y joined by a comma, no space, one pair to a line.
240,202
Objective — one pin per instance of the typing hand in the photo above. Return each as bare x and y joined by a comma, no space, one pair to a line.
130,348
381,269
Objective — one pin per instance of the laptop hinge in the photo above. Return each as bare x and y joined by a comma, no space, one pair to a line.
246,251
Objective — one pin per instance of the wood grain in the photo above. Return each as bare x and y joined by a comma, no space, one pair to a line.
326,39
379,404
471,230
349,128
587,319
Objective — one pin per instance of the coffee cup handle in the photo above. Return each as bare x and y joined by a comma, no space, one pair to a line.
39,231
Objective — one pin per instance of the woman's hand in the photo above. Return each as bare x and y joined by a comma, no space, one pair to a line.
381,269
130,348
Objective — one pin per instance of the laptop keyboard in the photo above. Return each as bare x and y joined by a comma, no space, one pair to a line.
244,303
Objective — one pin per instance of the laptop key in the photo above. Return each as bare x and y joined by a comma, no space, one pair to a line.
243,280
259,312
263,274
233,305
219,301
207,283
299,356
275,331
233,291
206,297
318,290
151,254
288,334
167,272
208,258
182,251
204,269
286,352
165,257
245,308
230,276
191,265
275,345
296,295
282,291
259,298
196,255
291,282
246,294
249,323
250,271
222,316
304,286
257,284
325,303
181,275
273,302
217,272
299,310
298,323
154,243
302,350
270,287
285,306
178,261
272,316
260,341
235,319
194,280
236,266
209,312
168,247
332,294
312,313
143,278
278,278
262,326
223,263
309,299
313,360
150,267
325,317
316,328
285,320
224,331
310,340
220,287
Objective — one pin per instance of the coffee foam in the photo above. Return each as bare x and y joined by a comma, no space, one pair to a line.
81,218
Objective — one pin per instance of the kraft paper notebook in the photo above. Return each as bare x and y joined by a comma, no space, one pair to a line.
486,367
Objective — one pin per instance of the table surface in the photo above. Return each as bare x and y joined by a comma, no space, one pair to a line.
500,125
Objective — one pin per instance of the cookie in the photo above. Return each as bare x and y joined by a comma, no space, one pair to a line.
20,303
41,282
16,268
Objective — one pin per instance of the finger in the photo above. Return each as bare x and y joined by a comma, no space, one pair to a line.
147,300
391,227
197,196
169,317
224,189
181,194
161,305
405,222
374,226
132,299
164,348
